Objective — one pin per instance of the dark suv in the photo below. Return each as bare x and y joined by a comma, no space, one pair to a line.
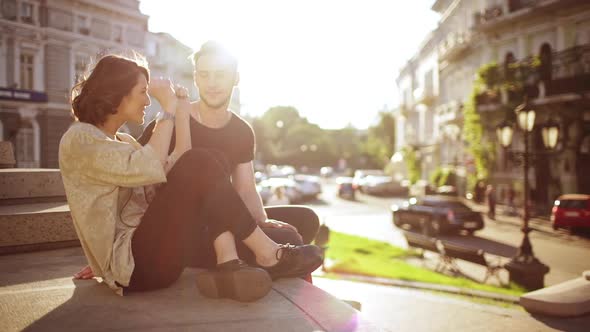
437,214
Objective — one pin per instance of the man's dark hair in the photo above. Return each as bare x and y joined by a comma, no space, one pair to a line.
96,96
214,48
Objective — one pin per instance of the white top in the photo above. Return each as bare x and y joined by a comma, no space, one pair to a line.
106,183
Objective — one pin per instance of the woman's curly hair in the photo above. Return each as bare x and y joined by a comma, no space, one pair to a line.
99,94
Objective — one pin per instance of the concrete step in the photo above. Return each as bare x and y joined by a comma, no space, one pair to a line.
37,293
38,226
568,299
30,185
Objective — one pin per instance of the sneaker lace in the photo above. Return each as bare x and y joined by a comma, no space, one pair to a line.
288,251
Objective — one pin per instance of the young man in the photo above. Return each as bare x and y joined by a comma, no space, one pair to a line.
216,128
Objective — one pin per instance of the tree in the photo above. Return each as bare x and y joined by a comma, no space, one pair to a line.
380,143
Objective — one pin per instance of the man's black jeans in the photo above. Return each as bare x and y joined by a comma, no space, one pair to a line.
196,205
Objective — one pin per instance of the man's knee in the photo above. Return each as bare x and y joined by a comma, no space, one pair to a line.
283,236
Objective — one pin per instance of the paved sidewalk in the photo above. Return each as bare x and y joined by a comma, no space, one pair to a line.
537,223
403,309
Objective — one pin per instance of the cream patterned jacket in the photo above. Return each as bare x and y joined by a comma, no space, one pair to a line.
104,181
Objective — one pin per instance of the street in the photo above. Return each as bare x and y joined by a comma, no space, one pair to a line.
567,255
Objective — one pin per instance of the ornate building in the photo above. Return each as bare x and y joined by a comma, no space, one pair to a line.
46,45
510,32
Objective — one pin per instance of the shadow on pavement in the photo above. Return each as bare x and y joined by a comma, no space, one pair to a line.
33,267
572,324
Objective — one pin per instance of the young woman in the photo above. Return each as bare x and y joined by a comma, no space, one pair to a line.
137,237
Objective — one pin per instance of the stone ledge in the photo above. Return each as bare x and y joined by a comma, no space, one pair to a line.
27,183
35,224
38,294
568,299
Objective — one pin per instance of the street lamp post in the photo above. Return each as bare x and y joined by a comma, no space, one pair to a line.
524,268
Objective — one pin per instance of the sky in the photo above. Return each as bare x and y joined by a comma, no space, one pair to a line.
336,61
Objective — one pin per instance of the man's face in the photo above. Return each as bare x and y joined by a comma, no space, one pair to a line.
215,77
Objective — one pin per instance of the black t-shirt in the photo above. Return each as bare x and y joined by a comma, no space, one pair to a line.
235,140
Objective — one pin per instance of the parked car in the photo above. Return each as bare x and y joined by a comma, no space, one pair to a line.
279,171
346,187
259,176
267,187
326,171
571,211
308,185
375,182
437,214
360,176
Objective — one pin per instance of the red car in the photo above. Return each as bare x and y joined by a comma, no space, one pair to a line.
571,211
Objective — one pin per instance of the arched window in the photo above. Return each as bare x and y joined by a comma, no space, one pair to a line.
545,57
508,60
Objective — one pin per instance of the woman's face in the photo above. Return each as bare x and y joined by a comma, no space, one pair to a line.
133,105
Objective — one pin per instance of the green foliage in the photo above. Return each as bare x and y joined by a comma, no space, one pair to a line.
511,78
284,137
352,254
489,75
481,151
443,176
380,143
412,164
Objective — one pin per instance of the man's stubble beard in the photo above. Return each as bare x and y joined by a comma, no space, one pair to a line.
215,106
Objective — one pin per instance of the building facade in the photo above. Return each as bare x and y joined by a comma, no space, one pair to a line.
46,45
510,32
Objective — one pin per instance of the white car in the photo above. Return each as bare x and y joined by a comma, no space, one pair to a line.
308,185
267,187
375,182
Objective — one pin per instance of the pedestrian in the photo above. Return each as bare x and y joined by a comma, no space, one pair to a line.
136,236
279,197
511,204
491,200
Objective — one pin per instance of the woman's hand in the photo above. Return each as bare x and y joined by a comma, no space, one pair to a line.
85,273
183,105
162,90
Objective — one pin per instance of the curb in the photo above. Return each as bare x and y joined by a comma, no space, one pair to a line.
426,286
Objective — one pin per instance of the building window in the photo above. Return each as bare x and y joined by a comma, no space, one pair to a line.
118,33
9,9
152,48
26,13
80,67
82,25
25,146
509,71
26,71
546,65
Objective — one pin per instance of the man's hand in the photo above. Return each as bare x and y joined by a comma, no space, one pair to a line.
271,223
162,90
85,273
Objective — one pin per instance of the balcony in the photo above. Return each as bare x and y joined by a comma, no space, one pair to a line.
500,16
453,46
488,15
516,5
569,75
570,71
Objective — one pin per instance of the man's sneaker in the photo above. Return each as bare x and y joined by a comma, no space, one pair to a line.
295,261
235,280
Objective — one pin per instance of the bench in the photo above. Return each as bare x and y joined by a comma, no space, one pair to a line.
451,251
425,243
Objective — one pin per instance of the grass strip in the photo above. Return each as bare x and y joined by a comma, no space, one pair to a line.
358,255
